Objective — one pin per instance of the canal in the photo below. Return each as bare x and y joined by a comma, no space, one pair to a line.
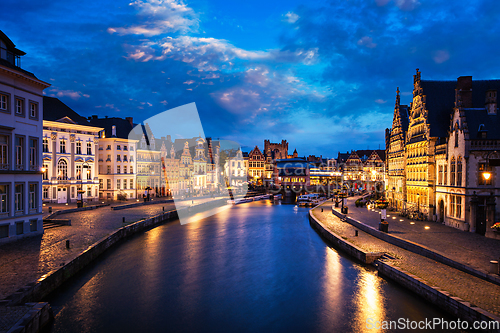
255,267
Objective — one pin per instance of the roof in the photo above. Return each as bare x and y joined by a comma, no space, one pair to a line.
123,126
439,102
477,117
54,110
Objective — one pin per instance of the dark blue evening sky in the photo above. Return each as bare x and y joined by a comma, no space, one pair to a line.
321,74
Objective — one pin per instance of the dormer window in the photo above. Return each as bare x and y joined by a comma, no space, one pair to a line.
482,132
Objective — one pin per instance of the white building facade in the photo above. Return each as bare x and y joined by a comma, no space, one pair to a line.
21,110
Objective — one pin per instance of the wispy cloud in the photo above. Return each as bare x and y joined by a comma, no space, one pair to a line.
159,17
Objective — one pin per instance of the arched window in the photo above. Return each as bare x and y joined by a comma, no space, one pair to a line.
452,172
62,170
459,171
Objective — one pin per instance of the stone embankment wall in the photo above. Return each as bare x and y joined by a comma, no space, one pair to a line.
453,305
418,249
52,280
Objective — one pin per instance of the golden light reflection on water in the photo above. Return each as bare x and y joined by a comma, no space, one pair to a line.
332,284
152,264
369,302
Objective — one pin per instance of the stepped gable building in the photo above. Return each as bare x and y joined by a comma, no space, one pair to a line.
256,166
70,145
395,151
451,153
273,152
117,158
21,114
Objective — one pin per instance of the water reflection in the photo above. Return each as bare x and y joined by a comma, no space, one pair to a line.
369,301
255,267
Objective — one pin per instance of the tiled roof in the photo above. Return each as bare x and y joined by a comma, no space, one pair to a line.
54,109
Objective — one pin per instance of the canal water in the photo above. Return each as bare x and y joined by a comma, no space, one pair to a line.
255,267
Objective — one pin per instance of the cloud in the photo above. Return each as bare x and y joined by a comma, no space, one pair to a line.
407,5
160,16
380,101
75,95
291,17
367,41
441,56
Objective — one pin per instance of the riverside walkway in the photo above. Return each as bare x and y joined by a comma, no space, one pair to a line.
478,292
27,260
468,248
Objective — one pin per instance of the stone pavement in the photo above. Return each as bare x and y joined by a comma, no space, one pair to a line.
479,292
468,248
27,260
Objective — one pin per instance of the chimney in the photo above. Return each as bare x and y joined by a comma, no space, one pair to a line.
464,91
130,120
113,131
94,116
491,102
169,138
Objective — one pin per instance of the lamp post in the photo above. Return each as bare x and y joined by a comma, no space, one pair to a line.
418,204
79,202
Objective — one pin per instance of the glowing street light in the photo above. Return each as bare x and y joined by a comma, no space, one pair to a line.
487,175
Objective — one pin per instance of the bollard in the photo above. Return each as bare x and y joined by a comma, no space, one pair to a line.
493,267
356,233
163,208
322,210
124,219
67,243
50,209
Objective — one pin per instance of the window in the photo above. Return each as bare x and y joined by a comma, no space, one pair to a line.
108,147
32,196
131,158
459,171
124,158
131,184
33,110
108,184
4,152
19,153
118,147
118,169
124,184
458,201
45,146
118,184
118,158
445,175
45,192
89,191
62,170
88,172
4,102
131,169
45,174
109,169
125,148
33,154
101,184
452,172
125,169
89,148
19,107
78,172
108,158
78,147
131,148
62,146
18,198
4,196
